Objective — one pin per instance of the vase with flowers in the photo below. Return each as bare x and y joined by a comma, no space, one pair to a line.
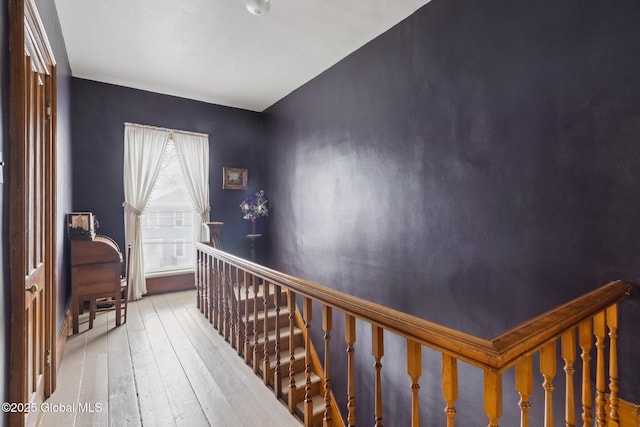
253,207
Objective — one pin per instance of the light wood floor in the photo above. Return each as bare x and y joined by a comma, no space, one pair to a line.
166,366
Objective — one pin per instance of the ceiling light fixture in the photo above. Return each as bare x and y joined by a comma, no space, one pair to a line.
258,7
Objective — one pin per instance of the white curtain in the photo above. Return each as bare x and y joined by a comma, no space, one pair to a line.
193,152
143,150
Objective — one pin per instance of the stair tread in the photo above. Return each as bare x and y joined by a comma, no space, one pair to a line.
271,312
318,403
299,353
284,333
301,380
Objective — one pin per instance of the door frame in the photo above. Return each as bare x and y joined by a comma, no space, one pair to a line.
27,36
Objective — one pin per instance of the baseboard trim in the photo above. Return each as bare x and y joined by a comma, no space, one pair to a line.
62,338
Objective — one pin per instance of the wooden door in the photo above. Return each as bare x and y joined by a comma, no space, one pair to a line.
32,213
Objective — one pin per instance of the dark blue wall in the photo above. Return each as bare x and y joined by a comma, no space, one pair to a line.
475,165
49,16
99,113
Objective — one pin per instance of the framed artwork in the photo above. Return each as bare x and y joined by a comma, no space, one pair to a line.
234,179
80,225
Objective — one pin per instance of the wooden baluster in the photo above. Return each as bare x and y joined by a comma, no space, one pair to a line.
204,284
247,342
449,387
327,324
216,292
493,396
599,332
220,301
548,371
377,349
524,387
213,292
291,303
256,329
277,375
569,357
225,299
612,323
308,403
199,295
265,331
414,370
233,326
350,338
239,327
585,339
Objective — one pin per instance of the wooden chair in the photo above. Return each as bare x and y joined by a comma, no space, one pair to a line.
108,303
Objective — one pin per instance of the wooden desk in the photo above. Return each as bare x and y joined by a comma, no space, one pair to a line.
96,267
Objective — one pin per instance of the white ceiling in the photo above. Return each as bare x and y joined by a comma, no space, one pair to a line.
214,50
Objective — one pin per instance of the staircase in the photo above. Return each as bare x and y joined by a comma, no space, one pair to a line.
255,309
269,333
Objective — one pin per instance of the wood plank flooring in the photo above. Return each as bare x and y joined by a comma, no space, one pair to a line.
166,366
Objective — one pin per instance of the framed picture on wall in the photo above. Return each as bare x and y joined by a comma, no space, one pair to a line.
234,179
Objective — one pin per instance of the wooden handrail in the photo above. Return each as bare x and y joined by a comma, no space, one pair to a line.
496,354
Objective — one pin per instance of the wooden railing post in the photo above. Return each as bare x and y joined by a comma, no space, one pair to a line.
585,341
225,301
256,328
327,324
247,343
220,297
569,357
612,323
265,332
524,387
450,387
199,294
599,332
277,375
210,279
214,279
308,403
350,338
493,396
548,371
240,330
377,350
414,370
291,305
233,309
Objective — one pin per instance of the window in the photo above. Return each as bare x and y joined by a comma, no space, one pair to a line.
168,220
178,248
178,219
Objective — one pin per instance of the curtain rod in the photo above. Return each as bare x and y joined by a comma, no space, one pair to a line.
171,131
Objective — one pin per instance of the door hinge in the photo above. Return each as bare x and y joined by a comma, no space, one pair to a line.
48,359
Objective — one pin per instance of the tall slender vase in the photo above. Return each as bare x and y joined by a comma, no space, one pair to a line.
253,226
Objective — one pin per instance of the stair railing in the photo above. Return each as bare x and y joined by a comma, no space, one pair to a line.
579,323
